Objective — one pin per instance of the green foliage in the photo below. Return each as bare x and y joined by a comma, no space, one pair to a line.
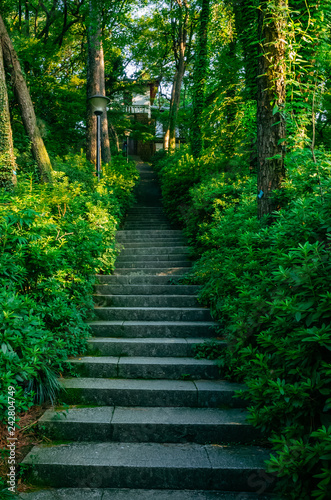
269,287
53,239
209,350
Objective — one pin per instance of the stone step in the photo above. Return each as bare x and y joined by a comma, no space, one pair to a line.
157,392
153,313
137,211
147,219
148,465
140,494
140,206
147,213
148,226
145,367
162,233
137,280
150,263
164,329
165,250
143,346
152,218
147,289
151,259
160,271
157,242
147,424
146,301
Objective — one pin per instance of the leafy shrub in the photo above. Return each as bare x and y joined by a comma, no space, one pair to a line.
269,288
53,239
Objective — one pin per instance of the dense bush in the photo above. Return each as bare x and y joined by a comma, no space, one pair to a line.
269,287
53,239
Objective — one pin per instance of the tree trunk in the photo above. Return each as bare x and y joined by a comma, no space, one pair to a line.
95,85
200,73
245,12
175,108
25,103
116,139
169,141
271,98
27,19
179,39
7,158
105,145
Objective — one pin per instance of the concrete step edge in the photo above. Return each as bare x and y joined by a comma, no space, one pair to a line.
139,494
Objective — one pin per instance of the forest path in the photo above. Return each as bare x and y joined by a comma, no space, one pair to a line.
146,419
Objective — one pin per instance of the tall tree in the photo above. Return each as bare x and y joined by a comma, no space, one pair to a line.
200,74
245,12
25,103
182,34
96,84
270,103
7,159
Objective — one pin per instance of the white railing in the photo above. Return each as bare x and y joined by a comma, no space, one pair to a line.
138,108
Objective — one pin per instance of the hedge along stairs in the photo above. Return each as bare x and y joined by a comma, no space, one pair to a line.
150,420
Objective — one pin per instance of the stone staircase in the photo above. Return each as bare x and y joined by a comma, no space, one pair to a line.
146,419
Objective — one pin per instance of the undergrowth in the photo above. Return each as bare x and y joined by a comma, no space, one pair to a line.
53,240
268,285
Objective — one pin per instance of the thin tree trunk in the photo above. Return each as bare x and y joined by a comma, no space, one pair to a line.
95,85
105,145
271,98
24,100
200,73
27,19
179,47
7,158
169,141
175,107
113,131
20,15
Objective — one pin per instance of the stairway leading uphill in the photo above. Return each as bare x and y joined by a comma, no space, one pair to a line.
146,419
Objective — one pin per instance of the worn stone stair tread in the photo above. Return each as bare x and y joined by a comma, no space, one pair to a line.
165,271
147,415
150,392
140,494
150,223
153,313
147,300
157,227
127,328
156,340
129,289
174,252
136,244
155,264
155,240
147,232
153,308
148,424
207,324
145,367
169,465
149,279
142,360
155,250
171,257
146,346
